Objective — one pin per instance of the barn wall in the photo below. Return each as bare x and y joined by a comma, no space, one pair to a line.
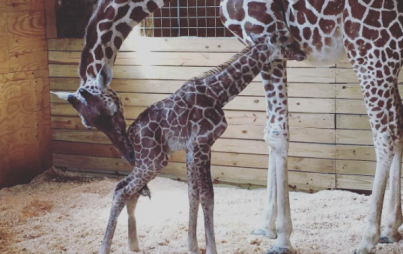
25,137
331,144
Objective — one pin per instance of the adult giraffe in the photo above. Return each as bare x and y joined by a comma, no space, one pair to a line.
371,33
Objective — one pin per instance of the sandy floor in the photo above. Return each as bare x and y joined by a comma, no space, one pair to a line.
53,215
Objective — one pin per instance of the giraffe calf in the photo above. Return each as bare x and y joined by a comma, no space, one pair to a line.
191,119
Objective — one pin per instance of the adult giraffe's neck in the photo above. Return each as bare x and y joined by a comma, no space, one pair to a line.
108,27
236,74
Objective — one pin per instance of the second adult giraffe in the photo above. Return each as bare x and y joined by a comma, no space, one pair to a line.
371,33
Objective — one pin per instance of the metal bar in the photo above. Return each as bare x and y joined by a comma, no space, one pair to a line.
170,20
205,8
197,20
215,20
187,12
179,21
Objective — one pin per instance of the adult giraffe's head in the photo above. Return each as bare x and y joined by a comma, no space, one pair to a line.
100,107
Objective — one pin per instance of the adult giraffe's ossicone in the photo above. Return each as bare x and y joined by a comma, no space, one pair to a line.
369,31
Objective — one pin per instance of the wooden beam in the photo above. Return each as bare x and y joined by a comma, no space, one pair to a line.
297,180
325,75
298,90
218,158
250,103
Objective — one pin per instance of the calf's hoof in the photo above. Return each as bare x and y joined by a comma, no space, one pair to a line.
278,250
269,234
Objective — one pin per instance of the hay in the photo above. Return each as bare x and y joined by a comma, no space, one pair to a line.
53,215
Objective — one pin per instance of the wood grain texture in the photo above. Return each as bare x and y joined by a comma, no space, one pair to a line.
50,19
331,140
297,180
325,75
25,136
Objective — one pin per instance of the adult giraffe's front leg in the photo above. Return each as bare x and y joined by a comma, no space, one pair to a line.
276,134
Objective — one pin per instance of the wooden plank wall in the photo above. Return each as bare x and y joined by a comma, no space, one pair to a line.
331,145
25,136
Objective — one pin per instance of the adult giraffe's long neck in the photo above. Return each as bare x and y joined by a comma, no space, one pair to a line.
233,77
108,27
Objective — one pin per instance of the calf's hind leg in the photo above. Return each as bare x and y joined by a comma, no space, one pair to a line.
133,242
125,190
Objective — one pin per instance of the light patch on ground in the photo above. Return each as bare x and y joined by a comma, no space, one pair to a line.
52,215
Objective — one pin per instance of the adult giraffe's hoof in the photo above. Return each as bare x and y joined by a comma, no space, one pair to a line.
391,239
278,250
266,233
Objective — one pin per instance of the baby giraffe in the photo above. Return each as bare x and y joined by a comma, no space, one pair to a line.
191,119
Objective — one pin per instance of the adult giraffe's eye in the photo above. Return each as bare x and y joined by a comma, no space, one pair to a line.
84,93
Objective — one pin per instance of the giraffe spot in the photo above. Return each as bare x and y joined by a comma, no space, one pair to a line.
255,70
388,4
152,6
352,29
251,62
138,14
306,32
317,4
396,29
122,11
248,78
109,52
357,10
327,25
235,10
376,4
105,26
90,58
90,71
124,28
373,18
388,17
311,17
106,37
334,8
118,42
258,10
316,39
295,32
271,28
301,18
99,53
278,73
370,34
243,60
109,13
236,29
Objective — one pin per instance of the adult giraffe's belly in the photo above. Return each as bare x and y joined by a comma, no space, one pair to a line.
319,30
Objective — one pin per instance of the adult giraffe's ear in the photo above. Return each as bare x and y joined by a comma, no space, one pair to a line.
63,95
104,77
